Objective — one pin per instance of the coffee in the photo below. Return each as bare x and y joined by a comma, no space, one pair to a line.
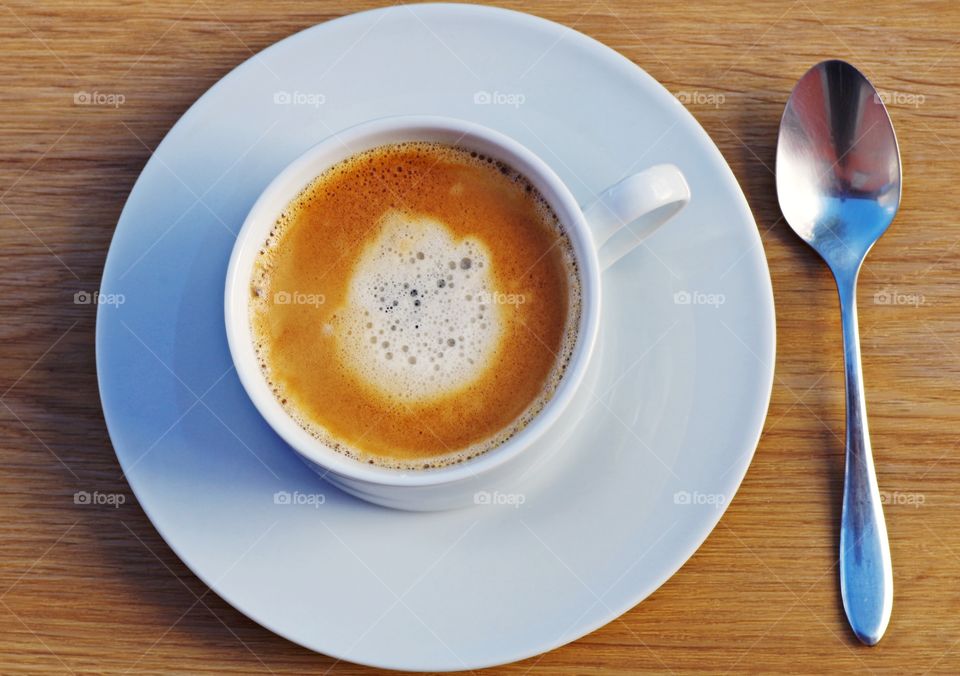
415,305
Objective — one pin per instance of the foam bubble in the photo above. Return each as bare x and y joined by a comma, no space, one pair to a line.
415,301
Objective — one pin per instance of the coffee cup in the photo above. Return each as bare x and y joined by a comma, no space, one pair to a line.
600,234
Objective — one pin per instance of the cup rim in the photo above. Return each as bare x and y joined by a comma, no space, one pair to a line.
297,175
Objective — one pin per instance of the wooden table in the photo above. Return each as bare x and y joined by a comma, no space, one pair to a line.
85,588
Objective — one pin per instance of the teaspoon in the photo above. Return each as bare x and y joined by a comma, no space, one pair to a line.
838,182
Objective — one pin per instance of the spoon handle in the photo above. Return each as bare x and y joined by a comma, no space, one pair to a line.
866,572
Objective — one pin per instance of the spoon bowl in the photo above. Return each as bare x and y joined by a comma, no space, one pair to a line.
838,163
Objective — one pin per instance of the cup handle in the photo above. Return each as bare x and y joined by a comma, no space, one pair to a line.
641,203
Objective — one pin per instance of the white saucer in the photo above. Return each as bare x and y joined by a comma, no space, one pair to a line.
683,383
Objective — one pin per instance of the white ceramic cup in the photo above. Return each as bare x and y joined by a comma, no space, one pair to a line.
639,203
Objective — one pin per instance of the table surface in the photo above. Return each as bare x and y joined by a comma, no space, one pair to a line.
86,588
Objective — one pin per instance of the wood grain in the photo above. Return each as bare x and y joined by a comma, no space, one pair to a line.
95,589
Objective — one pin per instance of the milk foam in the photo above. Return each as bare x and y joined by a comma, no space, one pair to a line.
419,321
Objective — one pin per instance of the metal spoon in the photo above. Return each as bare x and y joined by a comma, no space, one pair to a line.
838,181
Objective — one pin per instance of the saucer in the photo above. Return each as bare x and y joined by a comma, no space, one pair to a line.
671,415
